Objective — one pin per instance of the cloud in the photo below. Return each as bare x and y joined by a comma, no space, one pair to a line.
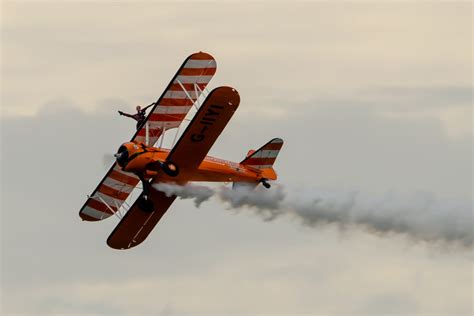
51,160
310,275
332,49
310,80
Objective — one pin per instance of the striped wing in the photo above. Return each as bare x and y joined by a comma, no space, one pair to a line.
109,195
170,110
180,95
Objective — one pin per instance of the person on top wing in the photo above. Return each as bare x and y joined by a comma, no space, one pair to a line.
140,116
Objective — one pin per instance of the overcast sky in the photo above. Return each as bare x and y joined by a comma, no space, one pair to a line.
369,97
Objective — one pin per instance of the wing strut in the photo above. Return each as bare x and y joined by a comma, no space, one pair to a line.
187,93
116,213
172,106
197,104
162,137
147,134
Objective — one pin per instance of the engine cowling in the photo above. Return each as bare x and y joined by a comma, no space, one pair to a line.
143,160
129,151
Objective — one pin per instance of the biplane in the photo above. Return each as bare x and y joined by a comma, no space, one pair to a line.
139,161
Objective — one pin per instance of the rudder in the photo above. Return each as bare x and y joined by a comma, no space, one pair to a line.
264,157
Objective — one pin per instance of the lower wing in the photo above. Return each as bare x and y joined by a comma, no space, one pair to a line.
137,224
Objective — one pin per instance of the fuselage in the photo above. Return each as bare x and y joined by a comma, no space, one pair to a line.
141,160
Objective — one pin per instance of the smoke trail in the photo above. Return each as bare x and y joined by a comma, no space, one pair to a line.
420,217
198,193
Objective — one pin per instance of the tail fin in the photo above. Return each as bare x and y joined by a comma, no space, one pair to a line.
265,157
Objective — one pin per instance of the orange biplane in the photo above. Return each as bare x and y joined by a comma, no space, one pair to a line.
138,161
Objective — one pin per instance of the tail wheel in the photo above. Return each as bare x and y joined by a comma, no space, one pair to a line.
145,204
265,184
170,168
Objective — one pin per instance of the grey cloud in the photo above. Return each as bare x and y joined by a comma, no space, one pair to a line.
330,48
424,97
396,303
305,73
52,160
347,143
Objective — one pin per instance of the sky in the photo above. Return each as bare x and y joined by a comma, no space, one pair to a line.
370,97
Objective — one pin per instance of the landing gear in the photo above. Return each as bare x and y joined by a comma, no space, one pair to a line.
265,184
143,202
170,168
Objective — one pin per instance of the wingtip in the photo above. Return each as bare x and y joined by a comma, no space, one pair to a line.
201,56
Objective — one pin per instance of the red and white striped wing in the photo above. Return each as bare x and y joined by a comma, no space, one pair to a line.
169,111
109,195
180,95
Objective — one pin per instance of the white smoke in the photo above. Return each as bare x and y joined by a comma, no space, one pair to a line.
198,193
419,217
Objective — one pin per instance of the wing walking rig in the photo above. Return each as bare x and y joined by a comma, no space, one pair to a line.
139,161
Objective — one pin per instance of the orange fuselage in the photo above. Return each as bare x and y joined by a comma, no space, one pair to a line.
140,157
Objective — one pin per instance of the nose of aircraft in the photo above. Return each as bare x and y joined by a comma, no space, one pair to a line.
122,156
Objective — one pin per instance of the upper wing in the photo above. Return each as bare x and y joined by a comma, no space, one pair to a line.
109,195
180,95
206,126
170,109
188,153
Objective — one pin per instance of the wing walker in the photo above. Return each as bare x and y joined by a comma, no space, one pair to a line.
139,161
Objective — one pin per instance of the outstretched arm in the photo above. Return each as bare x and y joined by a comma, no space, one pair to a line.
146,107
125,114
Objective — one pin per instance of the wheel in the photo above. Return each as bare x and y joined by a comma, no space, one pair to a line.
145,204
170,168
266,184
